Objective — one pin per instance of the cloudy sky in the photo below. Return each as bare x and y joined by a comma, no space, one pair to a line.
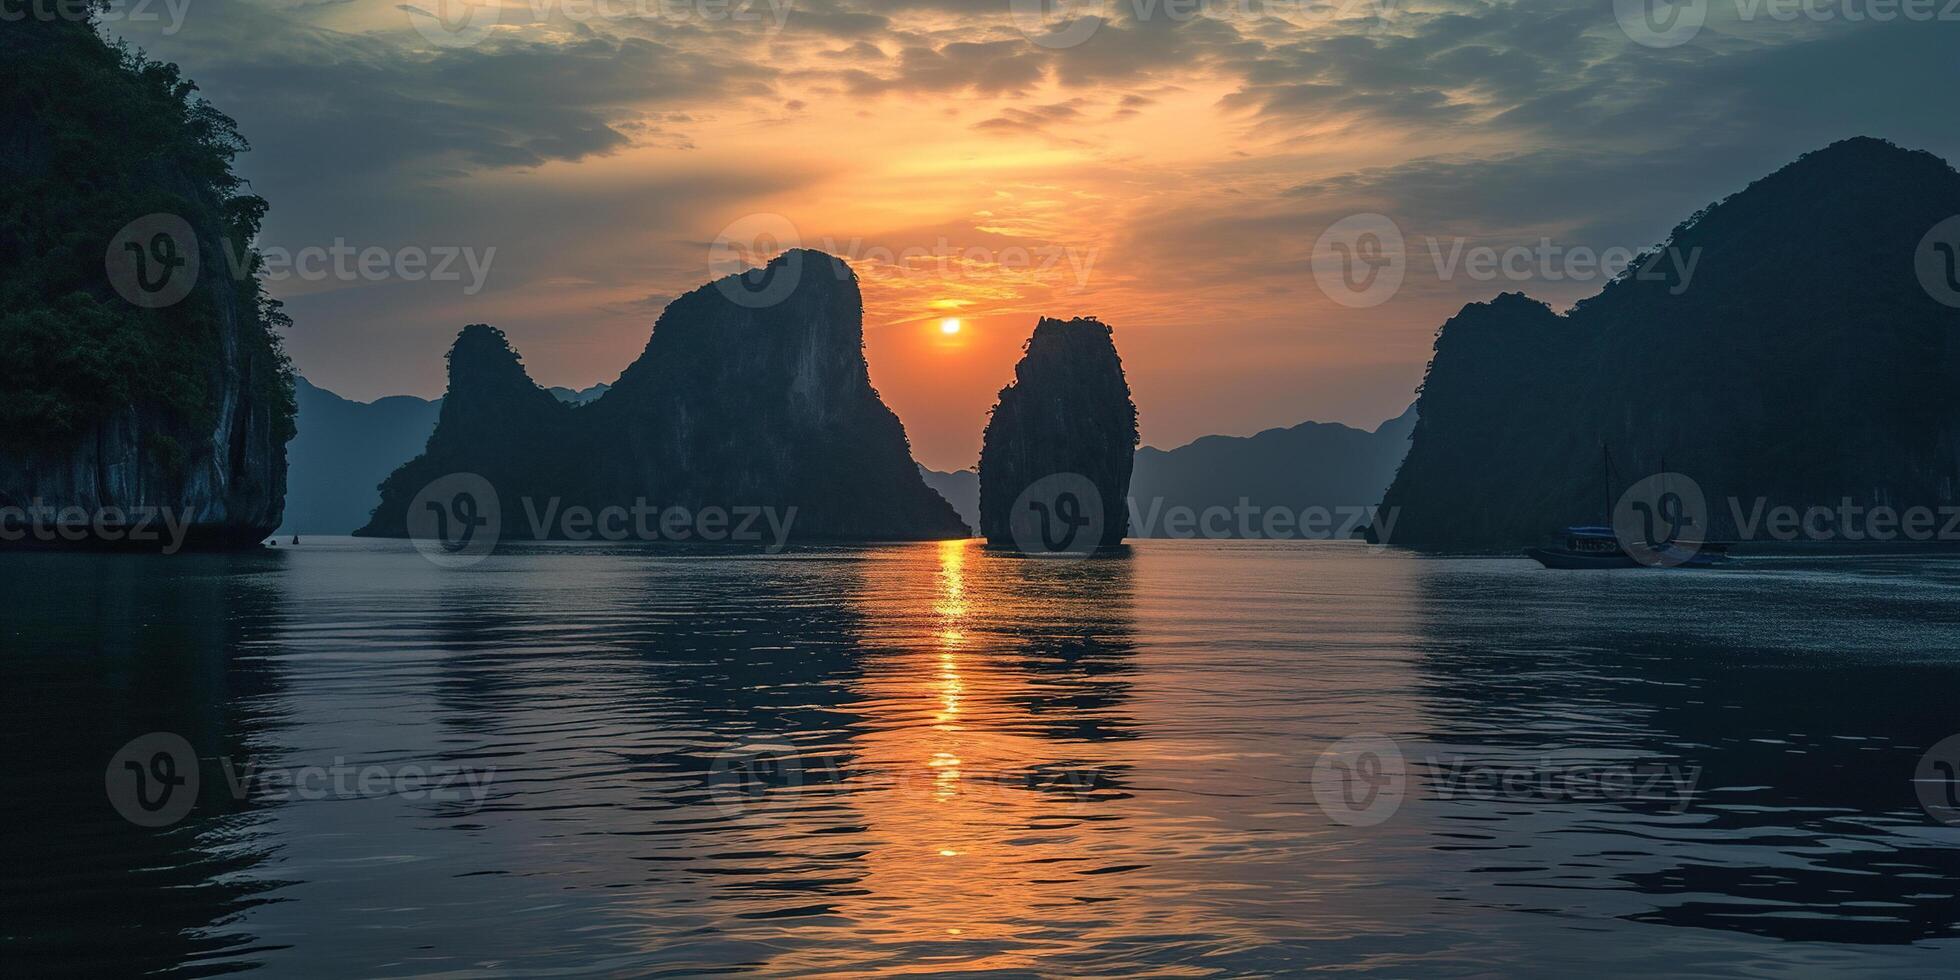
1170,166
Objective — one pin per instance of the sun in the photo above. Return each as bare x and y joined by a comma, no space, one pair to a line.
949,326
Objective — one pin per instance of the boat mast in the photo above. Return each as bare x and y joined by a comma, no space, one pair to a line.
1606,480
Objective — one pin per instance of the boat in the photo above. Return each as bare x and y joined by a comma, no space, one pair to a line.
1582,546
1595,546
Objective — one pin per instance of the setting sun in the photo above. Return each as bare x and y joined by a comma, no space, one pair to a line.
949,326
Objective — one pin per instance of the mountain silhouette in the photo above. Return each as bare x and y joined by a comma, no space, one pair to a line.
1313,464
741,399
345,448
343,451
578,396
961,488
1804,362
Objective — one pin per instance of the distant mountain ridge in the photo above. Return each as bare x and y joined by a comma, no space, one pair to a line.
343,451
345,448
1806,364
580,396
961,488
1313,464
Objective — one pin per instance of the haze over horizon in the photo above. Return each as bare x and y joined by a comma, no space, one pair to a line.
1170,173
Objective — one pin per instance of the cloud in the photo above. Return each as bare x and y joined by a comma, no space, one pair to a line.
1134,49
1034,119
831,20
331,108
861,51
598,154
989,67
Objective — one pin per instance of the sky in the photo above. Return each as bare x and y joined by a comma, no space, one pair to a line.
1274,203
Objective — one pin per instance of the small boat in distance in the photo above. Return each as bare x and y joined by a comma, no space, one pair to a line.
1594,546
1599,545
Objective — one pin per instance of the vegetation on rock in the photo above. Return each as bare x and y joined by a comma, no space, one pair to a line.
93,136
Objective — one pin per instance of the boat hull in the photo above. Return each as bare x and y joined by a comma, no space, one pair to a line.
1563,559
1551,558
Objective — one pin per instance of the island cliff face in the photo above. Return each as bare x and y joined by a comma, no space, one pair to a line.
108,407
1803,363
731,405
1067,412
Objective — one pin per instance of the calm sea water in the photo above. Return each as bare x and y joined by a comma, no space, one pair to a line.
1192,758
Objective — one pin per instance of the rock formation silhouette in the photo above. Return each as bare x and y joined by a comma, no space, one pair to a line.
1064,429
736,402
1805,362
